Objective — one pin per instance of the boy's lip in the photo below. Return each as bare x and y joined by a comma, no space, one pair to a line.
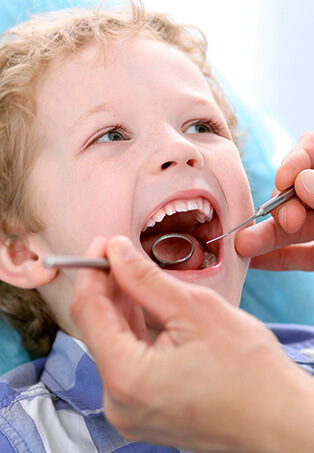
218,210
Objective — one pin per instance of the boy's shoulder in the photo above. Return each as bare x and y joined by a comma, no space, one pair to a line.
55,404
298,343
18,388
16,384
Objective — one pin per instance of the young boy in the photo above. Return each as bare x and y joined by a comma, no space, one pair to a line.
111,124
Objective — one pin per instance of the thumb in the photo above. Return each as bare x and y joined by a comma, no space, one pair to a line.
100,323
304,184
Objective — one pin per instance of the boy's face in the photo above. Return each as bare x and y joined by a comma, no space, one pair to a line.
120,140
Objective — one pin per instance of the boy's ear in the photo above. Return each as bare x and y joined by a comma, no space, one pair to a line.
21,263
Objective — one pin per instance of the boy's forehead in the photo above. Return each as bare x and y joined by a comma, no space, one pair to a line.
91,77
137,56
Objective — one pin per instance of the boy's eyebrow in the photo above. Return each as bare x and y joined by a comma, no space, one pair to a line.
103,107
107,106
202,101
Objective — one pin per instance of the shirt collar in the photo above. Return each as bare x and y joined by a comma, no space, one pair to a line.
71,374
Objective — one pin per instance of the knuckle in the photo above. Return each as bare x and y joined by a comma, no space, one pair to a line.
122,406
121,390
146,273
284,261
117,416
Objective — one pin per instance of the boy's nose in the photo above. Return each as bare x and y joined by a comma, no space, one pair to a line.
180,152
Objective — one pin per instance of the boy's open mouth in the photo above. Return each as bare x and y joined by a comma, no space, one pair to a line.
195,218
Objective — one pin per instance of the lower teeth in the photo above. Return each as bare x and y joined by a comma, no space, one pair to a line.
209,260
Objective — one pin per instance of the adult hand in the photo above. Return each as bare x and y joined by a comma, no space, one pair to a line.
269,242
214,377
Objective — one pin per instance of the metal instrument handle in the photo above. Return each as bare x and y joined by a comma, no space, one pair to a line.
76,261
276,201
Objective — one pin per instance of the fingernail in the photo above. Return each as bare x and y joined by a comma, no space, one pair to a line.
282,217
124,248
307,179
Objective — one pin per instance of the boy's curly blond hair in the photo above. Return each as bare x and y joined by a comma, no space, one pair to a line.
26,52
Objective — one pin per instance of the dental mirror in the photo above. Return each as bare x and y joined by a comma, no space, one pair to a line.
177,246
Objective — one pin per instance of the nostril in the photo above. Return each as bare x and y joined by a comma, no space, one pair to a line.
166,165
192,162
170,163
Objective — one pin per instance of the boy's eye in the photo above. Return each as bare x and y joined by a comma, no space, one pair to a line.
199,128
115,135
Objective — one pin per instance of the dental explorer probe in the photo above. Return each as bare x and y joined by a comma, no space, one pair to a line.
262,210
101,263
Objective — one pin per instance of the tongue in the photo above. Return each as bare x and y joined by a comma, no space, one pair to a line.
174,250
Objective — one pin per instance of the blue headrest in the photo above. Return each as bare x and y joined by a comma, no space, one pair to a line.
20,10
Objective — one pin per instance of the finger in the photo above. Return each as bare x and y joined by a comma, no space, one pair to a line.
300,158
154,289
304,185
98,320
291,216
266,236
294,257
99,278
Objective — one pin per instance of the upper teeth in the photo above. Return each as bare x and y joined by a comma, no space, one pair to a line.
202,208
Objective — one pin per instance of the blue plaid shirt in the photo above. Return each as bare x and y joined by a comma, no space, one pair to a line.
54,404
